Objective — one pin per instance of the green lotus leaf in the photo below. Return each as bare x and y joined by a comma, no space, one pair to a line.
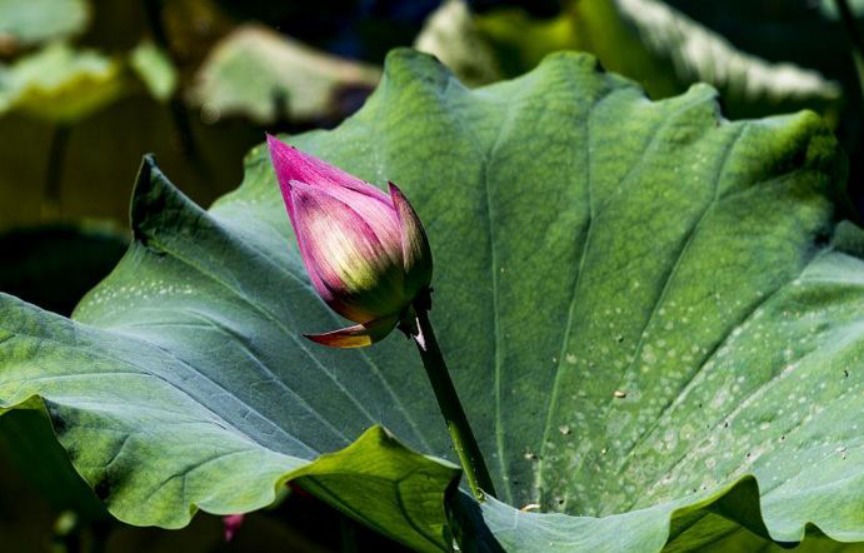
265,76
34,21
650,312
155,69
60,84
664,50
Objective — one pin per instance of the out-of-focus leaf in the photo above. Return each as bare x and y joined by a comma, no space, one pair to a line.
61,84
267,77
27,22
92,188
829,8
747,83
804,32
356,29
665,51
27,439
54,266
155,69
451,35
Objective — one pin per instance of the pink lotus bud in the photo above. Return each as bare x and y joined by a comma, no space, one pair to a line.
366,252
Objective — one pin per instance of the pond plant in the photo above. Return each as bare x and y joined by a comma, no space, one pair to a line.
651,315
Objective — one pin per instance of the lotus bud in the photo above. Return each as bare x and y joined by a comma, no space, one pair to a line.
365,251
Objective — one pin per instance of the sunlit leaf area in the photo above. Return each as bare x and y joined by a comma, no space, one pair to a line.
462,275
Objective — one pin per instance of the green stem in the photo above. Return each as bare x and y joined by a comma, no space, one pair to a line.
457,423
52,190
855,38
179,113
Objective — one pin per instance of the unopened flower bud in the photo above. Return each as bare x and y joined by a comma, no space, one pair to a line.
366,253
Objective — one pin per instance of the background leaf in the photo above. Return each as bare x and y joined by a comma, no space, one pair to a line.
53,266
61,84
155,69
28,23
26,438
665,51
451,35
267,77
641,303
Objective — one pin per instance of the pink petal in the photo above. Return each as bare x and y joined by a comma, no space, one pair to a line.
293,165
345,257
416,254
380,216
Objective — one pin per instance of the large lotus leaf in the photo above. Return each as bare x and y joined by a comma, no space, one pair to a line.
647,309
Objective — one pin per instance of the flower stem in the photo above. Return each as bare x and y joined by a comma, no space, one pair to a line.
457,423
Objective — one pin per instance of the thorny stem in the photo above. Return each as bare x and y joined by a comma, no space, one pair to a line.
463,438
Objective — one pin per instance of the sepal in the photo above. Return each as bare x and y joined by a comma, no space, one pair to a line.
356,336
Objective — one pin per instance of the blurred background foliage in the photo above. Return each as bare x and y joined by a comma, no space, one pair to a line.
88,86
